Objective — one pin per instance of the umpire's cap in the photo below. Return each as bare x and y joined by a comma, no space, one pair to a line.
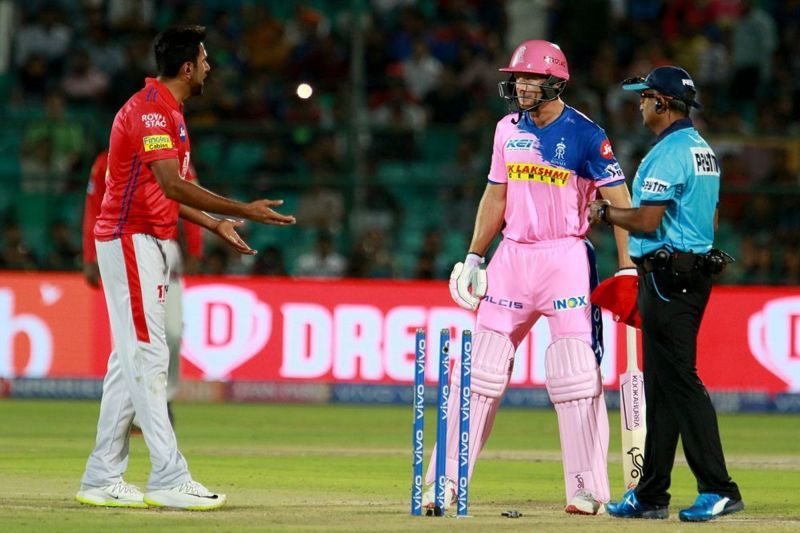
670,81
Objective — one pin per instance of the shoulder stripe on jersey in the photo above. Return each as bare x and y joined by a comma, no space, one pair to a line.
618,182
155,95
149,92
127,196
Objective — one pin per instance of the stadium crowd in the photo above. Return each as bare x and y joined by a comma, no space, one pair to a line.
384,164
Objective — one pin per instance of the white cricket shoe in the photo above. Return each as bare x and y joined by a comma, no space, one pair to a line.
450,497
191,496
584,503
119,494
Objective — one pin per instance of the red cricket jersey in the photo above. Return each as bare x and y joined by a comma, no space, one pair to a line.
192,233
148,128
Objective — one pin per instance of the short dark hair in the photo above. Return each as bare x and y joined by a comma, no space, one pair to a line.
177,45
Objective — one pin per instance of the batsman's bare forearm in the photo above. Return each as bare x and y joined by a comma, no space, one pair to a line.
489,219
619,196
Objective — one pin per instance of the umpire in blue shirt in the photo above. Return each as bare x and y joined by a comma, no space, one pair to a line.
671,225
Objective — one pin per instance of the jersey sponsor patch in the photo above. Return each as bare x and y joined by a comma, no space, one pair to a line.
157,142
654,185
538,173
154,120
705,162
573,302
613,170
605,150
519,144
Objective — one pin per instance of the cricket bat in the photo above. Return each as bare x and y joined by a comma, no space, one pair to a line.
632,410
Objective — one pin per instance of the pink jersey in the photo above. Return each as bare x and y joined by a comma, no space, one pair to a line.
552,174
149,127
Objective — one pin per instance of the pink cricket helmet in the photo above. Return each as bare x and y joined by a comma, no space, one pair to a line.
539,57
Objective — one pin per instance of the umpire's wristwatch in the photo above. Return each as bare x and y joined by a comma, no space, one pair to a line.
602,213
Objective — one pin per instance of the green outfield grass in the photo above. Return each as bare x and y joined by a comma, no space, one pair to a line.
345,468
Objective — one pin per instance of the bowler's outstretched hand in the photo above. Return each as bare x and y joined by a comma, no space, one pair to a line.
261,211
226,229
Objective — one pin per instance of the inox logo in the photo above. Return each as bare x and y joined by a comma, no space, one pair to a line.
574,302
503,302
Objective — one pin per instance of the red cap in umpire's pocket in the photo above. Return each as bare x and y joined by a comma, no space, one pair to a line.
618,295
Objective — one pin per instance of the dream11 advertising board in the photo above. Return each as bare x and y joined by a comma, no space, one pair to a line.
360,332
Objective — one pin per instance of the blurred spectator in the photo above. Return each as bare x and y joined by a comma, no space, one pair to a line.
34,78
398,120
376,59
276,167
478,74
430,264
713,64
421,71
52,148
790,275
260,100
138,65
321,262
270,262
321,206
105,54
14,254
757,260
447,102
371,257
128,16
754,40
45,34
215,262
377,209
64,253
224,36
84,83
263,44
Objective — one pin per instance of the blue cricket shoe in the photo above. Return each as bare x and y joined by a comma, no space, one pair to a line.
631,507
708,506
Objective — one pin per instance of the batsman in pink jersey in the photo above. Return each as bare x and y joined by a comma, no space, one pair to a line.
549,161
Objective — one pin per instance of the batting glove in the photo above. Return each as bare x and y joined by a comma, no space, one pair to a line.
468,282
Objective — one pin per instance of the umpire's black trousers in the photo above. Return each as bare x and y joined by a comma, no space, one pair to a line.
677,401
